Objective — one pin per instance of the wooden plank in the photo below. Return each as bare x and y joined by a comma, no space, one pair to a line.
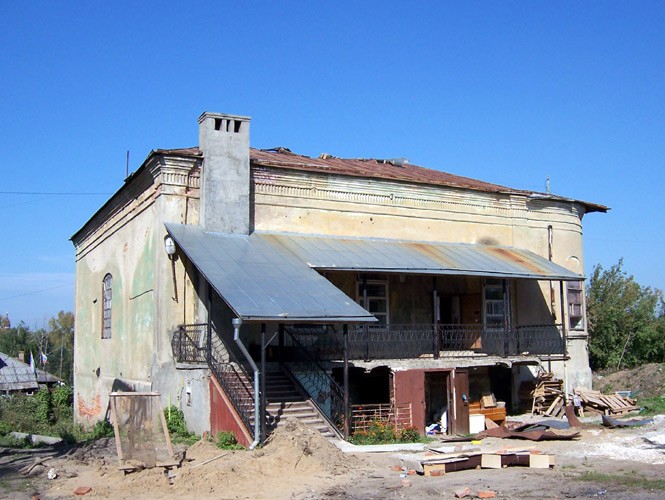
490,461
541,461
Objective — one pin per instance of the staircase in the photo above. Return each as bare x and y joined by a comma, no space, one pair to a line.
284,400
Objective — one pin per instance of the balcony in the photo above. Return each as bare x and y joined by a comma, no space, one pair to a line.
431,341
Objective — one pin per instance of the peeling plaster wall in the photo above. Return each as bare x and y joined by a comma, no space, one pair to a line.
151,295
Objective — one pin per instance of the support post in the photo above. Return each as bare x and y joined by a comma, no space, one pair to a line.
506,319
347,413
564,335
209,326
262,410
436,316
280,345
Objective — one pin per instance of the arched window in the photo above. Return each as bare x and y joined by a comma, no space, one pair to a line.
107,295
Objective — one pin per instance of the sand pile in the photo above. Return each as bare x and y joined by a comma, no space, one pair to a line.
294,459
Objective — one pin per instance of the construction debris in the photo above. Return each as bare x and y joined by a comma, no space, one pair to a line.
436,464
538,431
604,404
614,423
548,396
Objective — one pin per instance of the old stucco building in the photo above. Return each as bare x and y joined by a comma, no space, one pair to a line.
363,281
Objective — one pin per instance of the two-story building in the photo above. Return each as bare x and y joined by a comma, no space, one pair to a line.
221,275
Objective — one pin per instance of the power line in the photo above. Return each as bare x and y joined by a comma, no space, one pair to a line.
56,193
36,291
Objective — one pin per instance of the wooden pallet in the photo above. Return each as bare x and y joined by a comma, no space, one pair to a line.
606,404
548,397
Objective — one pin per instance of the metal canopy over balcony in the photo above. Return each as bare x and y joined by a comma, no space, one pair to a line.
261,281
416,257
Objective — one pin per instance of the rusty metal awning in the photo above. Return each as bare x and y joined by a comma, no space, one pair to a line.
327,253
262,281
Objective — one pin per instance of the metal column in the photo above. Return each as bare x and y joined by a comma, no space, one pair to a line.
262,410
347,414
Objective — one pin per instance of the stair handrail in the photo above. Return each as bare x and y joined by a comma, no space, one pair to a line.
326,386
221,361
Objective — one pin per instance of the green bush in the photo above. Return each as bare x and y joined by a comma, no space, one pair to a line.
177,427
227,441
101,429
44,415
409,435
381,432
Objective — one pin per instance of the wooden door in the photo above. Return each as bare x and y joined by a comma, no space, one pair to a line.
460,424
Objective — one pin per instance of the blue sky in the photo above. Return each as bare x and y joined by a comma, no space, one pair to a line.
508,92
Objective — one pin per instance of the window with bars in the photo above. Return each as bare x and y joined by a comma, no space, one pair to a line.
575,304
107,297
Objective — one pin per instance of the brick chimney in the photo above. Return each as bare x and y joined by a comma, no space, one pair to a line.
224,142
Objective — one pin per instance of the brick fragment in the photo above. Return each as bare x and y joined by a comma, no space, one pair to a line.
82,490
486,494
462,492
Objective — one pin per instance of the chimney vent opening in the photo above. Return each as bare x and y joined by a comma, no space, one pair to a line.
218,123
236,126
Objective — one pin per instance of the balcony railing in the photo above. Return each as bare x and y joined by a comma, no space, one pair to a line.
194,344
434,341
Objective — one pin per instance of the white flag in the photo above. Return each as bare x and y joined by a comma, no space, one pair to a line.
32,362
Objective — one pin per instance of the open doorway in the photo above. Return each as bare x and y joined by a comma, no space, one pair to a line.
437,400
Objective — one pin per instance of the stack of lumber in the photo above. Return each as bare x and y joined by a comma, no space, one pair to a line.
548,397
605,404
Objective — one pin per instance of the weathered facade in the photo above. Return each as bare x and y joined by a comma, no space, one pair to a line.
396,286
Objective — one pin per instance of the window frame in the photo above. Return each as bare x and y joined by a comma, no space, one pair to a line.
365,299
107,306
575,298
503,287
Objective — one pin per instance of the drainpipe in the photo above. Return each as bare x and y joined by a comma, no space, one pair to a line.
236,337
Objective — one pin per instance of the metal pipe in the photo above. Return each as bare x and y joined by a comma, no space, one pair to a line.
236,337
262,407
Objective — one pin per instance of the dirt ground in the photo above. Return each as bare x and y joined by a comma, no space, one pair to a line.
298,463
645,381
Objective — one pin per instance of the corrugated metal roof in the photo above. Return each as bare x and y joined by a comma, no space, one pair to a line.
379,169
261,281
376,255
16,375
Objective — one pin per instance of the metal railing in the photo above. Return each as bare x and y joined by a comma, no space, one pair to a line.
398,415
322,389
416,341
190,345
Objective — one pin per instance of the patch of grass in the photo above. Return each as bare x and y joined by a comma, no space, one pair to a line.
626,480
652,406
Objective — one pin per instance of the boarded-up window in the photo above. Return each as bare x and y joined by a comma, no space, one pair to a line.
107,298
575,304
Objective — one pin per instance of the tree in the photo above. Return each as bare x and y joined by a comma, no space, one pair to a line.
626,320
18,339
52,348
61,339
